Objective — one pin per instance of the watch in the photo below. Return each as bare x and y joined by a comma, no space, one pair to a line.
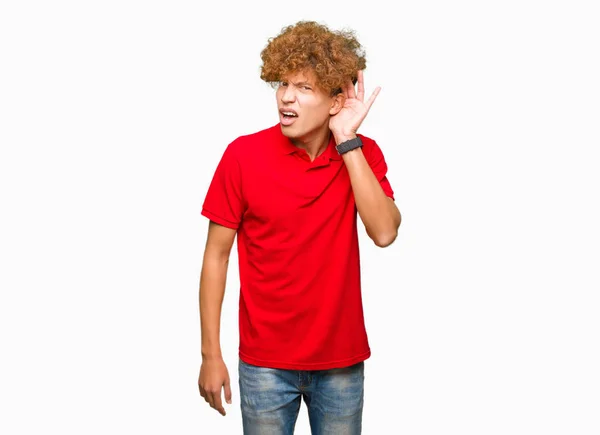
349,145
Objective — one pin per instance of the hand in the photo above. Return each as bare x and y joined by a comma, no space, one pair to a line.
346,122
213,376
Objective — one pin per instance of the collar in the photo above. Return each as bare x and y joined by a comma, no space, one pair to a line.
287,147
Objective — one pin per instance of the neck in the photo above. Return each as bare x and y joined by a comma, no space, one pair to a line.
314,143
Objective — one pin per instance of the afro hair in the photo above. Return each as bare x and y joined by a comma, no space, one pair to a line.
333,56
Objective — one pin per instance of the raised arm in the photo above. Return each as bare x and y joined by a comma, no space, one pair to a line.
377,210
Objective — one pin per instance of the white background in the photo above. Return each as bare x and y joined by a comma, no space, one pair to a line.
483,316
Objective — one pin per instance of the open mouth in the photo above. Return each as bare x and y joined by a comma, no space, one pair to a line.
287,117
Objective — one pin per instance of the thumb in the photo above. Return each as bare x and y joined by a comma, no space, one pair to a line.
227,386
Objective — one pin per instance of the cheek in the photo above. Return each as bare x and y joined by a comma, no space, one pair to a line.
321,112
319,108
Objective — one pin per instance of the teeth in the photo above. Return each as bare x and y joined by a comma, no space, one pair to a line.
288,114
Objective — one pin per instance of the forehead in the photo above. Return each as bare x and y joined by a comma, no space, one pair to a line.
301,77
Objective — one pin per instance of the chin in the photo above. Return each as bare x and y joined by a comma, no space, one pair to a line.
288,131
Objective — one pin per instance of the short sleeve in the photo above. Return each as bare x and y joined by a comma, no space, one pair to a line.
224,202
378,165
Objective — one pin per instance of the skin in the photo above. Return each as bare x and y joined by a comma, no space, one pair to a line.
378,212
213,372
310,131
319,115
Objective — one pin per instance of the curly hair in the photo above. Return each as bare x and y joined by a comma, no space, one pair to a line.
333,56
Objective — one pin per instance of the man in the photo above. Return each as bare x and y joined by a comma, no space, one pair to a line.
291,194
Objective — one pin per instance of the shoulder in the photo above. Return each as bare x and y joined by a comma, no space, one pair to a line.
370,147
245,146
366,140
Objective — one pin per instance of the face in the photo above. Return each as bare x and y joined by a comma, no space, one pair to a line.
304,108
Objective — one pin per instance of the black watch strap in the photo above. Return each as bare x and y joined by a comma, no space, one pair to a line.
349,145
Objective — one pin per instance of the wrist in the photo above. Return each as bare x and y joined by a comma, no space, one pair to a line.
211,353
349,145
352,153
212,357
343,136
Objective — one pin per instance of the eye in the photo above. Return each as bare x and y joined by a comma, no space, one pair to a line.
306,88
283,84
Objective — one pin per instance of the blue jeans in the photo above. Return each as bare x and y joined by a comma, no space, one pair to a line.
270,399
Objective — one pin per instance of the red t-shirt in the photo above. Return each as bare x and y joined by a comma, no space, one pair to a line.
300,301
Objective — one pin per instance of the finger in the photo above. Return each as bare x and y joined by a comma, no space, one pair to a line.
345,90
361,86
350,87
216,402
372,97
227,391
211,401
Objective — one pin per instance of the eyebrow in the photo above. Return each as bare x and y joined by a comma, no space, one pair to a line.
302,83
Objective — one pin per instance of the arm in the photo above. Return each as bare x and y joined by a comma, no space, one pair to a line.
213,372
212,287
378,212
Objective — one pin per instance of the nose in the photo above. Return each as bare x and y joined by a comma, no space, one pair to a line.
288,95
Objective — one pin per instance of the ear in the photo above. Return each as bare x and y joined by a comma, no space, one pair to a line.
337,102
